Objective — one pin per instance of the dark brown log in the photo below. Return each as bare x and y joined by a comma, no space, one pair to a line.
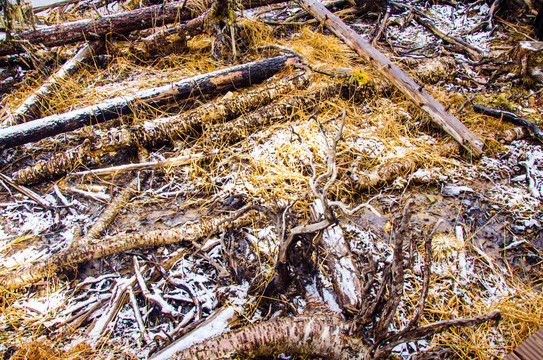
538,23
120,23
219,81
399,78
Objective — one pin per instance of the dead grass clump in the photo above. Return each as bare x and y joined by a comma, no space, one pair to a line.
48,350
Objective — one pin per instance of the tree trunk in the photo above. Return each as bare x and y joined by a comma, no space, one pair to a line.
399,78
219,81
322,334
119,23
100,248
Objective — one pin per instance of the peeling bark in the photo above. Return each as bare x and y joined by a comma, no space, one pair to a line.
322,334
385,173
110,213
245,125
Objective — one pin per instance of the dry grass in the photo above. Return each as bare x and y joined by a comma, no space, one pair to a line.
271,165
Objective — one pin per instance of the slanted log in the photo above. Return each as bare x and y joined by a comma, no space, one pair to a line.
395,75
219,81
31,108
92,250
119,23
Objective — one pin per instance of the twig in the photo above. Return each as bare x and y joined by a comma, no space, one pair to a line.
154,298
137,315
174,161
382,26
31,194
63,200
90,194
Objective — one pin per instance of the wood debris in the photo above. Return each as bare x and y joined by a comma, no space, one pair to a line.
243,179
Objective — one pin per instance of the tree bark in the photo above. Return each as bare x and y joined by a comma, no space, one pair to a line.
120,23
322,334
219,81
399,78
99,248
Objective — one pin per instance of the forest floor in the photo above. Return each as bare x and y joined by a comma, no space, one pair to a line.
487,245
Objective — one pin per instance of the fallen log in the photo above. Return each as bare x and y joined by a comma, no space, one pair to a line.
162,130
91,250
119,23
399,78
219,81
30,109
388,172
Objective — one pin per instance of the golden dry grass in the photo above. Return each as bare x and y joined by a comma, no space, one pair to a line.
282,176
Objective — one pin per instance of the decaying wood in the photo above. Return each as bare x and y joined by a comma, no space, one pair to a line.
513,118
399,78
315,333
162,130
190,232
245,125
94,29
219,81
30,109
401,167
118,23
110,212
